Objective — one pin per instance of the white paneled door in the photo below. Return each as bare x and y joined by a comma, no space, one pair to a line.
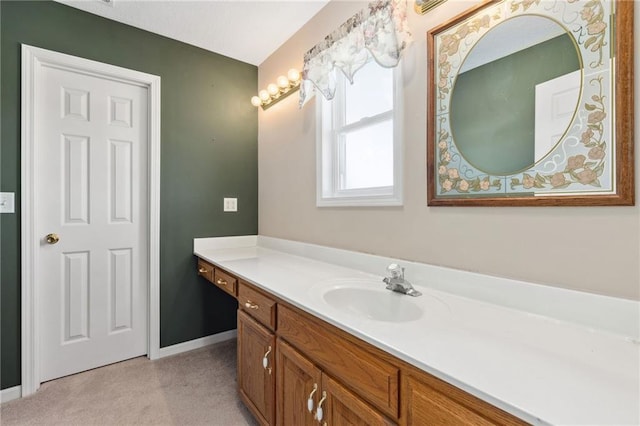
555,103
91,270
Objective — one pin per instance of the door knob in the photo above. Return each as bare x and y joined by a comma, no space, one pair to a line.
52,238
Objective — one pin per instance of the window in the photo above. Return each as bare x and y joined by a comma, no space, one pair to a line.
359,141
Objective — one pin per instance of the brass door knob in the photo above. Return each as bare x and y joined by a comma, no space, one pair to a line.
52,238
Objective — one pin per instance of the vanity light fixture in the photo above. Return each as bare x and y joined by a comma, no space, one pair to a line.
423,6
275,92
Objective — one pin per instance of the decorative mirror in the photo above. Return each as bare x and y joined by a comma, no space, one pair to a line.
531,103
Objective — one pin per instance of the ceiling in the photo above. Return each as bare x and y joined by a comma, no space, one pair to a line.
511,36
246,30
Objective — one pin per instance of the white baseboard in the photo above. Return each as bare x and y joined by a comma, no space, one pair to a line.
10,394
197,343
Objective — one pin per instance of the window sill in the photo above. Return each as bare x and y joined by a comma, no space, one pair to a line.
359,202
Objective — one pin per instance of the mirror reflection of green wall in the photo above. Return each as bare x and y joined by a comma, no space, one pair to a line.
493,104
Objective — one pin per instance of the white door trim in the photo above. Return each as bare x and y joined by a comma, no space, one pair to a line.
33,58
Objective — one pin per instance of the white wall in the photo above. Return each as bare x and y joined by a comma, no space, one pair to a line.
595,249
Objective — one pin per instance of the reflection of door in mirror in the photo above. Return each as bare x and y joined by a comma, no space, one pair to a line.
555,106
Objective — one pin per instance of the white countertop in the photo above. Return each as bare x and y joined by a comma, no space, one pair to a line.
542,369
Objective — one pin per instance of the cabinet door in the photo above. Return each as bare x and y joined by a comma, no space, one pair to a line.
255,381
297,377
343,407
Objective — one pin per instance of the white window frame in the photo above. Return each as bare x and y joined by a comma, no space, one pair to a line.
328,192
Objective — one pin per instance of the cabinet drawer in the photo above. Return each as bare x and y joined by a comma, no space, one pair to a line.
427,400
370,377
225,281
257,304
205,270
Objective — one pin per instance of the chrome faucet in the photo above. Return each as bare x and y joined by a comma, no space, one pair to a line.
397,283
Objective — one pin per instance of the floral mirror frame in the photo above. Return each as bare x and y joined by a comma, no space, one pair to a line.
593,163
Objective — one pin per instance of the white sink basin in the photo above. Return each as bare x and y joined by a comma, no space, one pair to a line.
370,299
379,305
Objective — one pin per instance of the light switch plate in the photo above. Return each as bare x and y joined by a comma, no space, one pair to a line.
7,202
230,204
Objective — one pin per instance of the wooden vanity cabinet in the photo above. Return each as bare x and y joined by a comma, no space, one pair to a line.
283,352
304,391
256,368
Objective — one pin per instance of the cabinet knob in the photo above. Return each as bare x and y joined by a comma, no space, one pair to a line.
310,399
202,270
220,281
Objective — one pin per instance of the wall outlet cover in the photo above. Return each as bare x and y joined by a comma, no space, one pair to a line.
230,204
7,202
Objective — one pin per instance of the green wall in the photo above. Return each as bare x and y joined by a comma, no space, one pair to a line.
493,106
209,151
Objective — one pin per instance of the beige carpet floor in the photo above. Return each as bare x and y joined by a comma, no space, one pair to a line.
193,388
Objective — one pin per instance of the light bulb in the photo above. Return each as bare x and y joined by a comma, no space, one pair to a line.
264,95
293,74
273,89
283,82
255,101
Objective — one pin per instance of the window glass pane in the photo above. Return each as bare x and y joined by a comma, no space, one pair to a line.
370,94
368,157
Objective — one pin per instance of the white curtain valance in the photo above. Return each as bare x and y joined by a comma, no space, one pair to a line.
379,31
